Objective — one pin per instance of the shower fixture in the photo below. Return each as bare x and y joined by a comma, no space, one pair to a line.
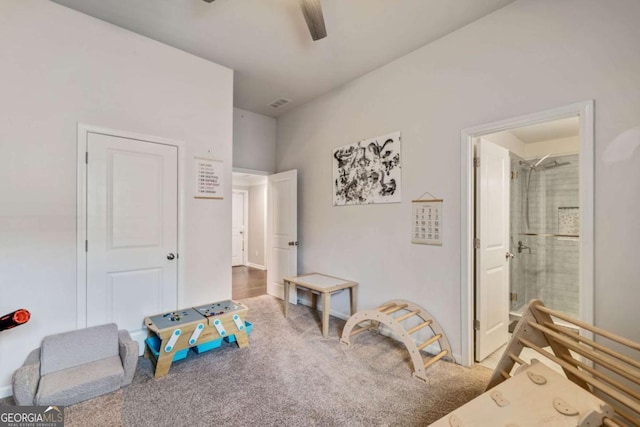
554,164
537,166
522,247
533,166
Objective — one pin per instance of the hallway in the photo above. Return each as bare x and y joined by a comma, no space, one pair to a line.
248,282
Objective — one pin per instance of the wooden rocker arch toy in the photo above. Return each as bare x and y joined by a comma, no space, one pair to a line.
393,314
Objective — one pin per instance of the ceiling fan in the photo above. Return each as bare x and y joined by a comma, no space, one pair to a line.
312,11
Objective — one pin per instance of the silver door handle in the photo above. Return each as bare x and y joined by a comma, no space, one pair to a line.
509,255
293,243
170,257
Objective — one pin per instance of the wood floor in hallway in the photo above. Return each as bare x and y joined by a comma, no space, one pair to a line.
248,282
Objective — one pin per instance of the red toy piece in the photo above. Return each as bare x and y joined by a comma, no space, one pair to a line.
14,319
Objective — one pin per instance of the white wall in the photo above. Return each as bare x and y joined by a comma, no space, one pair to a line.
254,141
257,224
531,56
59,68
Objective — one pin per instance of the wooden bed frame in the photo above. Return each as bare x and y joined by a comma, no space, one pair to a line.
604,364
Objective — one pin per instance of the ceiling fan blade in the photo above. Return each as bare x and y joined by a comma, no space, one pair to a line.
312,11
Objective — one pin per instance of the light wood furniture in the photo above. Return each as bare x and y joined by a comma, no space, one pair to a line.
395,315
598,361
324,285
535,396
183,329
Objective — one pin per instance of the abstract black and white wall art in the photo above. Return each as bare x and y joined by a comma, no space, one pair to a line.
368,171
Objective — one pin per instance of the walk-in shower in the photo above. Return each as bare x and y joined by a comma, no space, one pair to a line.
531,167
545,232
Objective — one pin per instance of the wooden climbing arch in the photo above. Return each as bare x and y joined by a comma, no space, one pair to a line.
393,314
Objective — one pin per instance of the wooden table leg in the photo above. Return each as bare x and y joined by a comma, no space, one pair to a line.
353,296
163,364
242,339
326,297
287,285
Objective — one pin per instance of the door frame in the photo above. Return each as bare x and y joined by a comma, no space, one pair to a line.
81,210
585,111
245,218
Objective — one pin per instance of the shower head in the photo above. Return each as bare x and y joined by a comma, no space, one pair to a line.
533,166
554,164
540,161
537,165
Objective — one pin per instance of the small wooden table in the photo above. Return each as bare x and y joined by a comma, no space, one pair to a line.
324,285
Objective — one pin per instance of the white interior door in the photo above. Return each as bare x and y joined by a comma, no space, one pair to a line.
492,256
238,229
132,220
282,231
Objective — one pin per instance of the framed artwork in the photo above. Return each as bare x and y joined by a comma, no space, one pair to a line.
368,171
208,178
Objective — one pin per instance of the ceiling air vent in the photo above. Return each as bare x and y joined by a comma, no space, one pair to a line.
279,102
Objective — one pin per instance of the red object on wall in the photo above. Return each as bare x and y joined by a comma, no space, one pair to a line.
14,319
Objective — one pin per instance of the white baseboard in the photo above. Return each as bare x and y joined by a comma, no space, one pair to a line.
458,358
258,266
139,336
277,291
307,302
6,392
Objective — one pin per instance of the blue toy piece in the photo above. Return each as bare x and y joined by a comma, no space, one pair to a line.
153,343
201,348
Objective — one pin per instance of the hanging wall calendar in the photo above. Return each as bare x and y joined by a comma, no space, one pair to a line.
426,222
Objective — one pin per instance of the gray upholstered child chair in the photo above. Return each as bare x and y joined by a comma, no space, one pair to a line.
74,366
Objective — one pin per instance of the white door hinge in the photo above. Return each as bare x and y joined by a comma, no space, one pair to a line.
476,243
476,325
476,162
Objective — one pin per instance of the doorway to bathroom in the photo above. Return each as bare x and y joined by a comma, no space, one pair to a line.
527,224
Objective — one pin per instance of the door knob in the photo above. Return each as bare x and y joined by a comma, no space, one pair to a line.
509,255
170,257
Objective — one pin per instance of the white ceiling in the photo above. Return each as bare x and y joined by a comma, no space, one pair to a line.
548,131
247,180
268,45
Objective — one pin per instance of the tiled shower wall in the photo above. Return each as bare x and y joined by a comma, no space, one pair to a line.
551,271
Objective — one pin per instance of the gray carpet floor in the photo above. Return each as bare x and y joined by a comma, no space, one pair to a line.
288,376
